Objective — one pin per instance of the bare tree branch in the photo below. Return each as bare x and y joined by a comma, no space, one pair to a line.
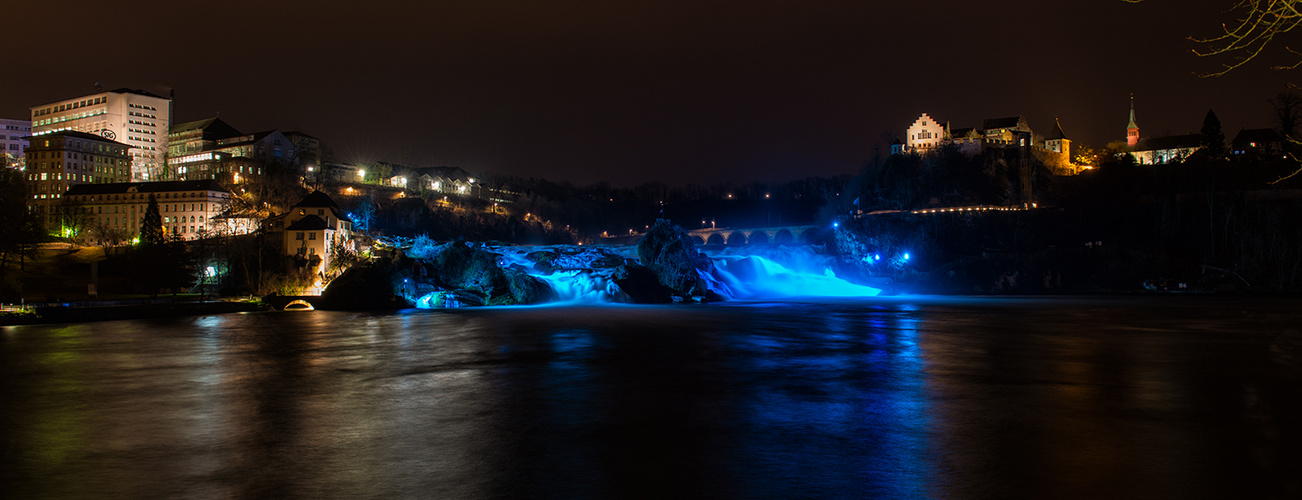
1256,25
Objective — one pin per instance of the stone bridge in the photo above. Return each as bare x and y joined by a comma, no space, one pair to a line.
779,235
292,302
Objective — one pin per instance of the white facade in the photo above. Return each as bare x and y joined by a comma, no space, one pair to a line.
189,209
925,133
12,143
133,117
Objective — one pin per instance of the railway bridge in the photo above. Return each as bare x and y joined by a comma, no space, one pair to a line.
778,235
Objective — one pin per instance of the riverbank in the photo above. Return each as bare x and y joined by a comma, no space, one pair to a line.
80,312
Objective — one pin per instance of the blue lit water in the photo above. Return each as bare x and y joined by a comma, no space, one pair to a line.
899,397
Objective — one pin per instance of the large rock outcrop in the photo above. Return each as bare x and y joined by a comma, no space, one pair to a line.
641,285
472,269
362,287
668,251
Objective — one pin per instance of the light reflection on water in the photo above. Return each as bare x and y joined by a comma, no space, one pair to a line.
904,397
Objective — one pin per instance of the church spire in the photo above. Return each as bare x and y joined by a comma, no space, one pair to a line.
1132,130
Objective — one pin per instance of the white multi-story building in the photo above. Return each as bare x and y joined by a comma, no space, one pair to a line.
133,117
112,213
13,141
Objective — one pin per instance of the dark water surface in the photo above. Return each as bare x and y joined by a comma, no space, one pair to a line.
1132,397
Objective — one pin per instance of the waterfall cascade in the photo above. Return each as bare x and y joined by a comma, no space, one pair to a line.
749,273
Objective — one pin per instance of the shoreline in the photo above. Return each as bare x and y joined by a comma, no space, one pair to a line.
64,314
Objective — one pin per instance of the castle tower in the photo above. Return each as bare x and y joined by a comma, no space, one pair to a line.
1058,141
1132,130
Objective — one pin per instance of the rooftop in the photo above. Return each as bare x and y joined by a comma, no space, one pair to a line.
145,187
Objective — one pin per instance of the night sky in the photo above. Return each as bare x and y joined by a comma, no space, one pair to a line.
697,91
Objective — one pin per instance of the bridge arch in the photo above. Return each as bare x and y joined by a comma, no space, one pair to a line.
737,239
759,238
715,239
696,240
299,305
783,237
810,236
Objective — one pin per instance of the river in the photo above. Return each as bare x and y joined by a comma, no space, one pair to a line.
892,397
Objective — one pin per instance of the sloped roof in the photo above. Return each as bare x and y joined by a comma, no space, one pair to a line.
1258,135
308,223
317,199
993,123
1170,142
929,117
1057,131
253,138
78,135
296,133
450,173
125,90
961,132
214,127
145,187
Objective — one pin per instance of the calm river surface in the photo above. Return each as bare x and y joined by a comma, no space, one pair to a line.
1116,397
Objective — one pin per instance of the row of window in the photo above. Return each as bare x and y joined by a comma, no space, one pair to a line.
99,210
64,118
145,196
140,106
70,106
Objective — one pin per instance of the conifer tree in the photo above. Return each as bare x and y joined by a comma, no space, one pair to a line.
1213,140
151,225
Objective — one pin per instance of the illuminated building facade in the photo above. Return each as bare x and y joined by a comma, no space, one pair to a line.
307,151
1264,143
266,147
60,160
926,133
1058,141
1160,150
311,229
198,136
1132,129
133,117
13,141
112,212
215,165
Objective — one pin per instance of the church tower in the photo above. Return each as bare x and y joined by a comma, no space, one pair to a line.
1132,130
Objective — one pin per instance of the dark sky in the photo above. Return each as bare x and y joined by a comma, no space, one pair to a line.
695,91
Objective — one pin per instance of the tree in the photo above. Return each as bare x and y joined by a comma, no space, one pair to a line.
1288,110
1213,140
1256,26
18,226
151,224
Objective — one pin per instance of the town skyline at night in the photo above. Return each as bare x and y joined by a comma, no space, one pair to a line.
680,93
